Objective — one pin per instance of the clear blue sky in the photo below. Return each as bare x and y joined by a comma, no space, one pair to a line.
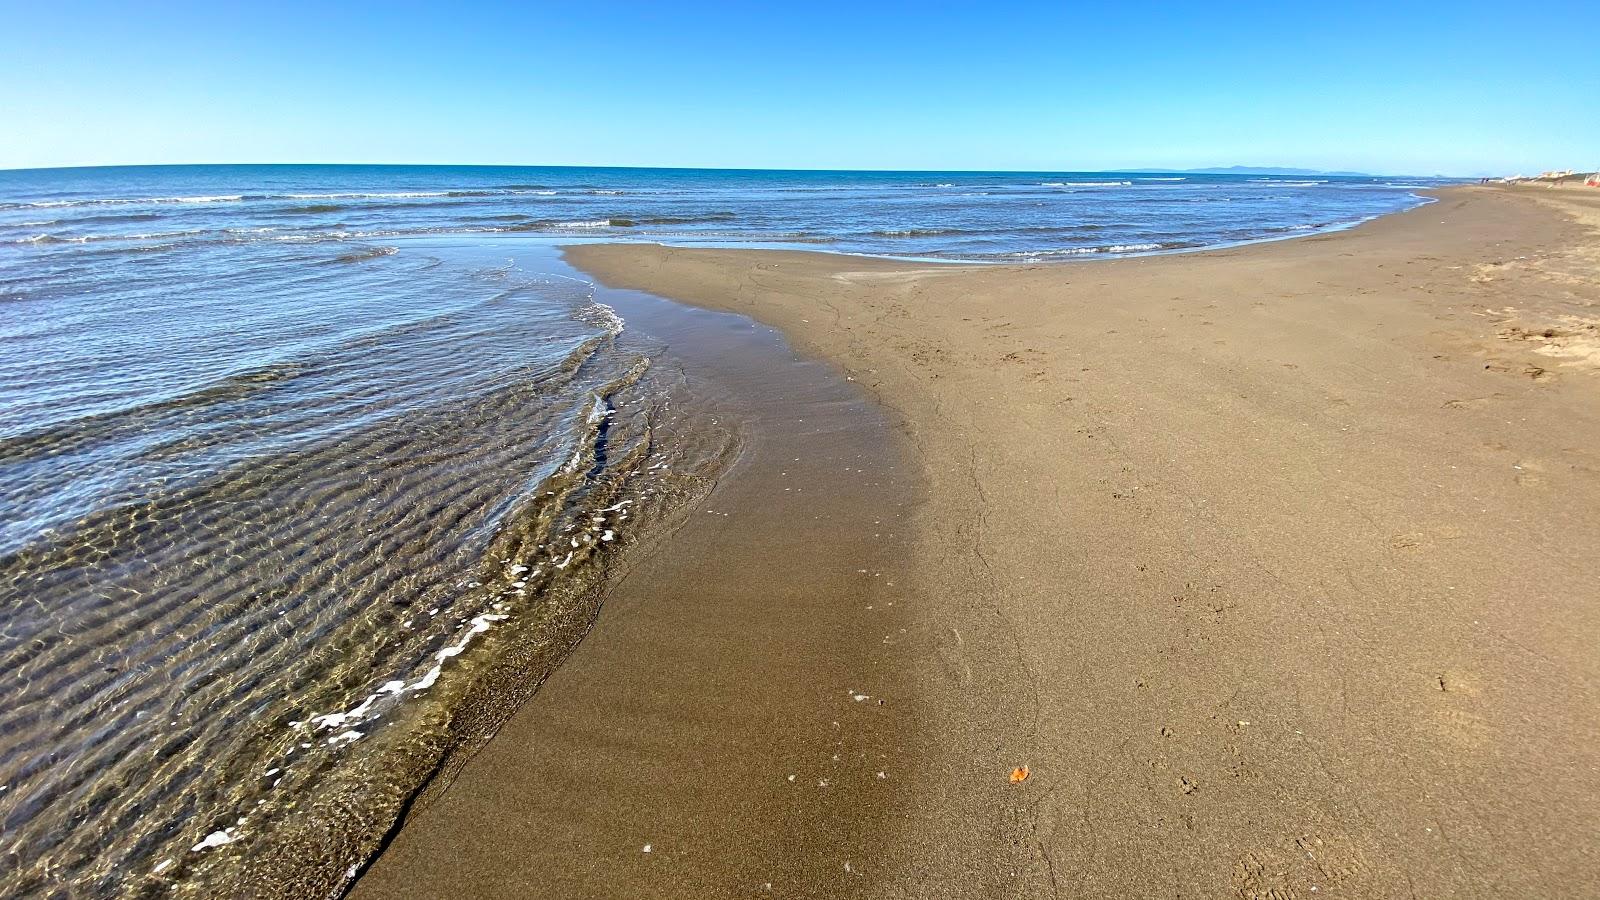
1413,87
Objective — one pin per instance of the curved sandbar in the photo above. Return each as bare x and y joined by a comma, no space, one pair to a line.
1274,565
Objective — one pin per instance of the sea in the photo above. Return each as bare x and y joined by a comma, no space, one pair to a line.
310,474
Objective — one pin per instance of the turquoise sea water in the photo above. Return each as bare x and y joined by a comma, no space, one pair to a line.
289,454
957,215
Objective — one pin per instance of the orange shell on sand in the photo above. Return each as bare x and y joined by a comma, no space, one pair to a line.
1019,774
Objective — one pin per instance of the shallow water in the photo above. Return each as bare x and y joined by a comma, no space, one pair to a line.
258,507
308,474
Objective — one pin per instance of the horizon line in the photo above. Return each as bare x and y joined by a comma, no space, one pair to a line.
1192,170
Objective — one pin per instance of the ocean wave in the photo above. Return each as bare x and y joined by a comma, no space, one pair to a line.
1058,184
603,317
1103,250
495,192
804,238
382,195
306,238
623,222
98,238
916,232
116,201
366,253
459,193
1152,178
109,219
1033,230
626,222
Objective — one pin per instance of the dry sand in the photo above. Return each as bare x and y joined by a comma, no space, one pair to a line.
1276,566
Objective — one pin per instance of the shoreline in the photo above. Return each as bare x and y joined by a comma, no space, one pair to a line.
815,469
1275,581
1426,195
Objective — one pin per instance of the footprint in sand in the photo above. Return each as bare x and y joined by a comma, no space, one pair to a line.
1470,402
1456,719
1528,370
1408,541
1528,473
1424,539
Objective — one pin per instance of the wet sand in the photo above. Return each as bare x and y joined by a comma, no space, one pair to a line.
725,725
1274,565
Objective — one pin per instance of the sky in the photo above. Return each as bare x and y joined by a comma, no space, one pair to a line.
1419,87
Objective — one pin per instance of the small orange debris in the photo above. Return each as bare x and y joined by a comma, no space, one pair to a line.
1019,774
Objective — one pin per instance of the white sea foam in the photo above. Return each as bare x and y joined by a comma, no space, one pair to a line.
99,238
337,719
117,201
1085,183
149,236
215,839
1125,248
603,317
238,198
383,195
1084,251
369,706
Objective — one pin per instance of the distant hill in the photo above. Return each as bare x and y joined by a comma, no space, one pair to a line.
1252,170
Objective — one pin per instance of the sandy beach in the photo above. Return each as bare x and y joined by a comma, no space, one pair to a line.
1271,568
